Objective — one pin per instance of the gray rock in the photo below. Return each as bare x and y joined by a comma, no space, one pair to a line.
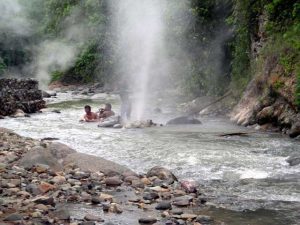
62,214
150,196
162,173
59,150
88,223
183,120
295,130
182,201
94,164
13,217
90,217
147,220
164,205
33,189
96,200
40,155
294,160
203,219
45,200
113,181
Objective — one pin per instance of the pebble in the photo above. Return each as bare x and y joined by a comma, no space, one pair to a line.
147,220
90,217
164,205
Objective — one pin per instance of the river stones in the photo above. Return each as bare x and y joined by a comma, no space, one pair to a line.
91,217
162,173
13,217
164,205
147,220
113,181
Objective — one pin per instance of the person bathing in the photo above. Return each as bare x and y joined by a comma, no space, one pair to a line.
105,112
89,115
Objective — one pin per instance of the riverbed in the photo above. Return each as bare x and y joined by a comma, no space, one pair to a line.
240,173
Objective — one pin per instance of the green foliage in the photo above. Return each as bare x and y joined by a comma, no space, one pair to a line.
56,75
298,87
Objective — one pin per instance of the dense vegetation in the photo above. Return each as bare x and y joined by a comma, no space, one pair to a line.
210,41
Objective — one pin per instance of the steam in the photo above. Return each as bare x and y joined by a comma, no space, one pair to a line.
13,18
140,26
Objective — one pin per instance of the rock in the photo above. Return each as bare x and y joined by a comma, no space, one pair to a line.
150,196
147,220
33,189
44,200
59,150
58,180
40,155
164,205
159,189
13,217
189,186
62,214
41,168
106,197
146,181
129,179
87,223
19,113
162,173
56,111
48,94
265,115
202,219
90,217
45,187
294,160
182,201
176,211
94,164
117,126
115,208
295,130
96,200
113,181
183,120
187,216
137,184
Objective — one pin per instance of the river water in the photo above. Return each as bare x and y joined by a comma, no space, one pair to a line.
238,173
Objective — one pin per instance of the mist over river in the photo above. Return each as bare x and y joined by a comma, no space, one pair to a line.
249,169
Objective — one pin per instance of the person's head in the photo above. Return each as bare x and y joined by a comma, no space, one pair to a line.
87,109
107,107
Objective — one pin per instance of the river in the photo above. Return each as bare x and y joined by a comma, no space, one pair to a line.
250,171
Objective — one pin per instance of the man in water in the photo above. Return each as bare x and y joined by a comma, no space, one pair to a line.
106,112
89,115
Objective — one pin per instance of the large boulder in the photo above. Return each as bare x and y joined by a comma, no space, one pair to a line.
94,164
59,150
40,155
183,120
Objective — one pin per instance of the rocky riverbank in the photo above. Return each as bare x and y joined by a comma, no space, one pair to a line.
42,180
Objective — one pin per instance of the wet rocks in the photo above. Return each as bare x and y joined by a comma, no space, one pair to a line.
294,160
20,94
164,205
147,220
162,173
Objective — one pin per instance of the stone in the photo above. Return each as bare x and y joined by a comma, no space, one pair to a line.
45,187
176,211
44,200
187,216
129,179
146,181
90,217
33,189
59,150
115,208
96,200
295,130
150,196
294,159
62,214
203,219
58,180
162,173
189,186
147,220
13,217
94,164
41,168
182,201
117,126
137,184
113,181
87,223
40,155
106,197
164,205
159,189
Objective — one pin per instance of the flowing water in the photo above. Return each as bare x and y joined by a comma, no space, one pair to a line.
238,173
